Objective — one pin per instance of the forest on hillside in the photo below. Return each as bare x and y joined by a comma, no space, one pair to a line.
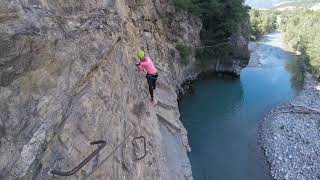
300,26
262,21
302,31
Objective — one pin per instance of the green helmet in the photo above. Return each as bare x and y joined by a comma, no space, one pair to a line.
140,54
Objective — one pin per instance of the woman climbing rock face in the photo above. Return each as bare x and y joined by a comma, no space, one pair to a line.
147,65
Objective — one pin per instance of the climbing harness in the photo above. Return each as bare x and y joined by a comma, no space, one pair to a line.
84,162
152,76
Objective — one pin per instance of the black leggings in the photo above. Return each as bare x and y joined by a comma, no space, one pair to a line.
152,83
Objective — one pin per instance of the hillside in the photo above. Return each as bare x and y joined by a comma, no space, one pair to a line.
281,3
311,4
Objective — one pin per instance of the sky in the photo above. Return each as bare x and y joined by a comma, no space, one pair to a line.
264,3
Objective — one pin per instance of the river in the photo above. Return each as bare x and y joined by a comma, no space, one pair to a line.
222,115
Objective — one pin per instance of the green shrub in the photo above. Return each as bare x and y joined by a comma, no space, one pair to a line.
184,4
185,53
262,21
220,18
302,31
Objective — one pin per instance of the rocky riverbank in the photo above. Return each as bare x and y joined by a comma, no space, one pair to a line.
290,135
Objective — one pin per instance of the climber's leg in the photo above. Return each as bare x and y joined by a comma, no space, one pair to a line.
150,84
154,78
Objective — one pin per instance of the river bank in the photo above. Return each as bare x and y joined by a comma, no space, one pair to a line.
290,135
222,115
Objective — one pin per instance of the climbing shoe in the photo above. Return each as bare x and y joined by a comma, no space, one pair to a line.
152,102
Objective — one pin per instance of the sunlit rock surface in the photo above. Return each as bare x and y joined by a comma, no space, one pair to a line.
67,77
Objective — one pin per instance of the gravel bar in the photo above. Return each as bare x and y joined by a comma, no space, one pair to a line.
290,135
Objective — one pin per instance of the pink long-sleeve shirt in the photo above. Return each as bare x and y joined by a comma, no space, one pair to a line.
147,65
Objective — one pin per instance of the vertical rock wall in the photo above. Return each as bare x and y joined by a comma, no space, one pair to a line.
240,54
67,77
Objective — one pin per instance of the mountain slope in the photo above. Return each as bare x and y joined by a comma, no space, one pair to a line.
298,3
281,3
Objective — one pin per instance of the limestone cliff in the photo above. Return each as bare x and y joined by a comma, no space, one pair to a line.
240,54
67,77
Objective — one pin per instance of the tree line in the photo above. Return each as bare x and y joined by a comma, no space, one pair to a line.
262,21
302,32
300,26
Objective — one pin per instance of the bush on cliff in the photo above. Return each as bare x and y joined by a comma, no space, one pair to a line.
185,52
219,18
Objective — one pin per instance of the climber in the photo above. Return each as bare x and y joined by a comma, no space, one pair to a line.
152,74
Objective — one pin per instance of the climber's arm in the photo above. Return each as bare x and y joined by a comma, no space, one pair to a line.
141,65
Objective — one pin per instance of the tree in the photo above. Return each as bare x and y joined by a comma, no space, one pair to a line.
220,18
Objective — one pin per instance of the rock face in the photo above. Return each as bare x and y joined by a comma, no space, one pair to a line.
240,54
67,77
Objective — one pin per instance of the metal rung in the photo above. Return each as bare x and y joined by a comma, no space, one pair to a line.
144,146
84,162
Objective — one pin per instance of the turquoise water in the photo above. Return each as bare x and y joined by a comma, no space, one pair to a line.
222,115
